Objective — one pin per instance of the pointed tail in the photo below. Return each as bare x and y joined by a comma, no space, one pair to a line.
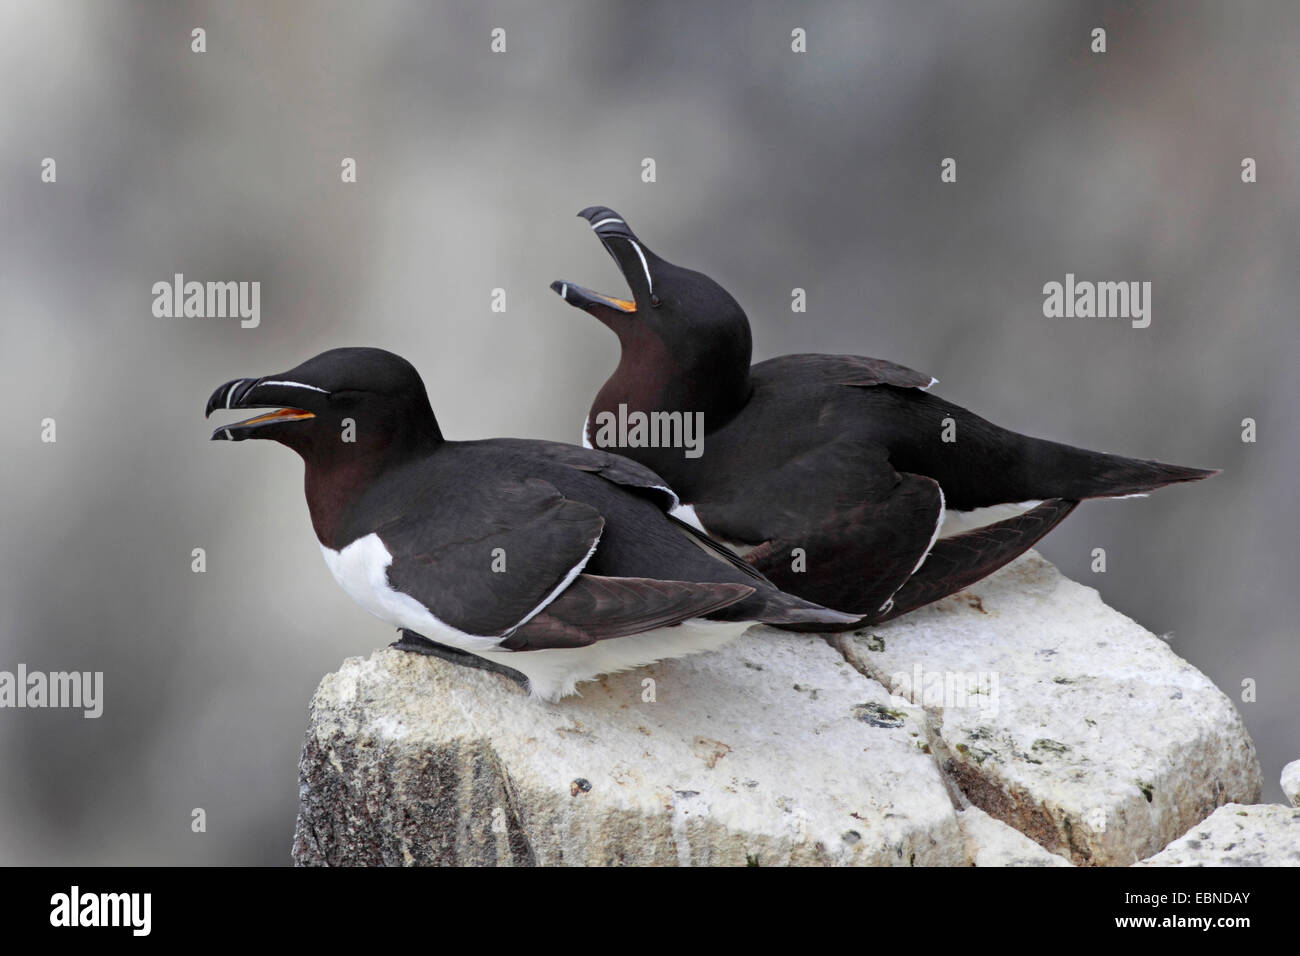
1079,473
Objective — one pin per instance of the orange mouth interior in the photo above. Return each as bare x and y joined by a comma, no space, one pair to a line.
623,305
280,415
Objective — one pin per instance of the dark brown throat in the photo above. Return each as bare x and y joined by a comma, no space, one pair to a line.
650,378
335,483
331,492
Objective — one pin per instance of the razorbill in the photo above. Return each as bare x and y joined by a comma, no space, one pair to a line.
844,479
551,562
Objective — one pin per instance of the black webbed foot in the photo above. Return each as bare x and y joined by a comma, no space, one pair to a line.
418,644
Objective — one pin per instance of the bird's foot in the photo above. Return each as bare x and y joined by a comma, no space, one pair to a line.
418,644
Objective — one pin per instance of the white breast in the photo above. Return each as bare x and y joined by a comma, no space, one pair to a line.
361,569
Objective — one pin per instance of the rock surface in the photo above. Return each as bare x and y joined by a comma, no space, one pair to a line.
991,842
1092,740
1263,835
774,751
1291,782
1063,718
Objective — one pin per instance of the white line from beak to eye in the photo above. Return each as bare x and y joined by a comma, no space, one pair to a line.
597,225
648,281
296,385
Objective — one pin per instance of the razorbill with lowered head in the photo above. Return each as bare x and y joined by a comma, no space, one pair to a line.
549,561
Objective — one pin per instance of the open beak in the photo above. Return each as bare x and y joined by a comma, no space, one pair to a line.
633,260
585,298
258,393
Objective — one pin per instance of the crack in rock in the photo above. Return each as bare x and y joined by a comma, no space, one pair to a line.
1042,702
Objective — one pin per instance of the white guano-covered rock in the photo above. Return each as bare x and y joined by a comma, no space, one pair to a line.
1266,834
1291,782
772,751
991,842
1031,725
1063,718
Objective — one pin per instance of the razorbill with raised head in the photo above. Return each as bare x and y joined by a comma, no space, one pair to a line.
844,479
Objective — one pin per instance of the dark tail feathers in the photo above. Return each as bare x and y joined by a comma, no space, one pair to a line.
768,604
784,609
1092,474
955,563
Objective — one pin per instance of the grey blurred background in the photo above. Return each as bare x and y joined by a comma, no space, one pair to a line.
775,170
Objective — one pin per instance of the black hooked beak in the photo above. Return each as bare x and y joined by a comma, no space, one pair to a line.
633,258
283,396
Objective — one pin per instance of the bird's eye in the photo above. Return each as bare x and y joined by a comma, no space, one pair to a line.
345,398
655,301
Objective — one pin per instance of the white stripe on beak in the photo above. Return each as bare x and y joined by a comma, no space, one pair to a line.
641,255
297,385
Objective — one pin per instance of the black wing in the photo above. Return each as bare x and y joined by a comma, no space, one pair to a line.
957,562
847,370
596,608
863,526
613,468
484,555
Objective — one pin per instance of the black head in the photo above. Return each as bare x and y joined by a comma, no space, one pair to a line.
338,405
674,314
